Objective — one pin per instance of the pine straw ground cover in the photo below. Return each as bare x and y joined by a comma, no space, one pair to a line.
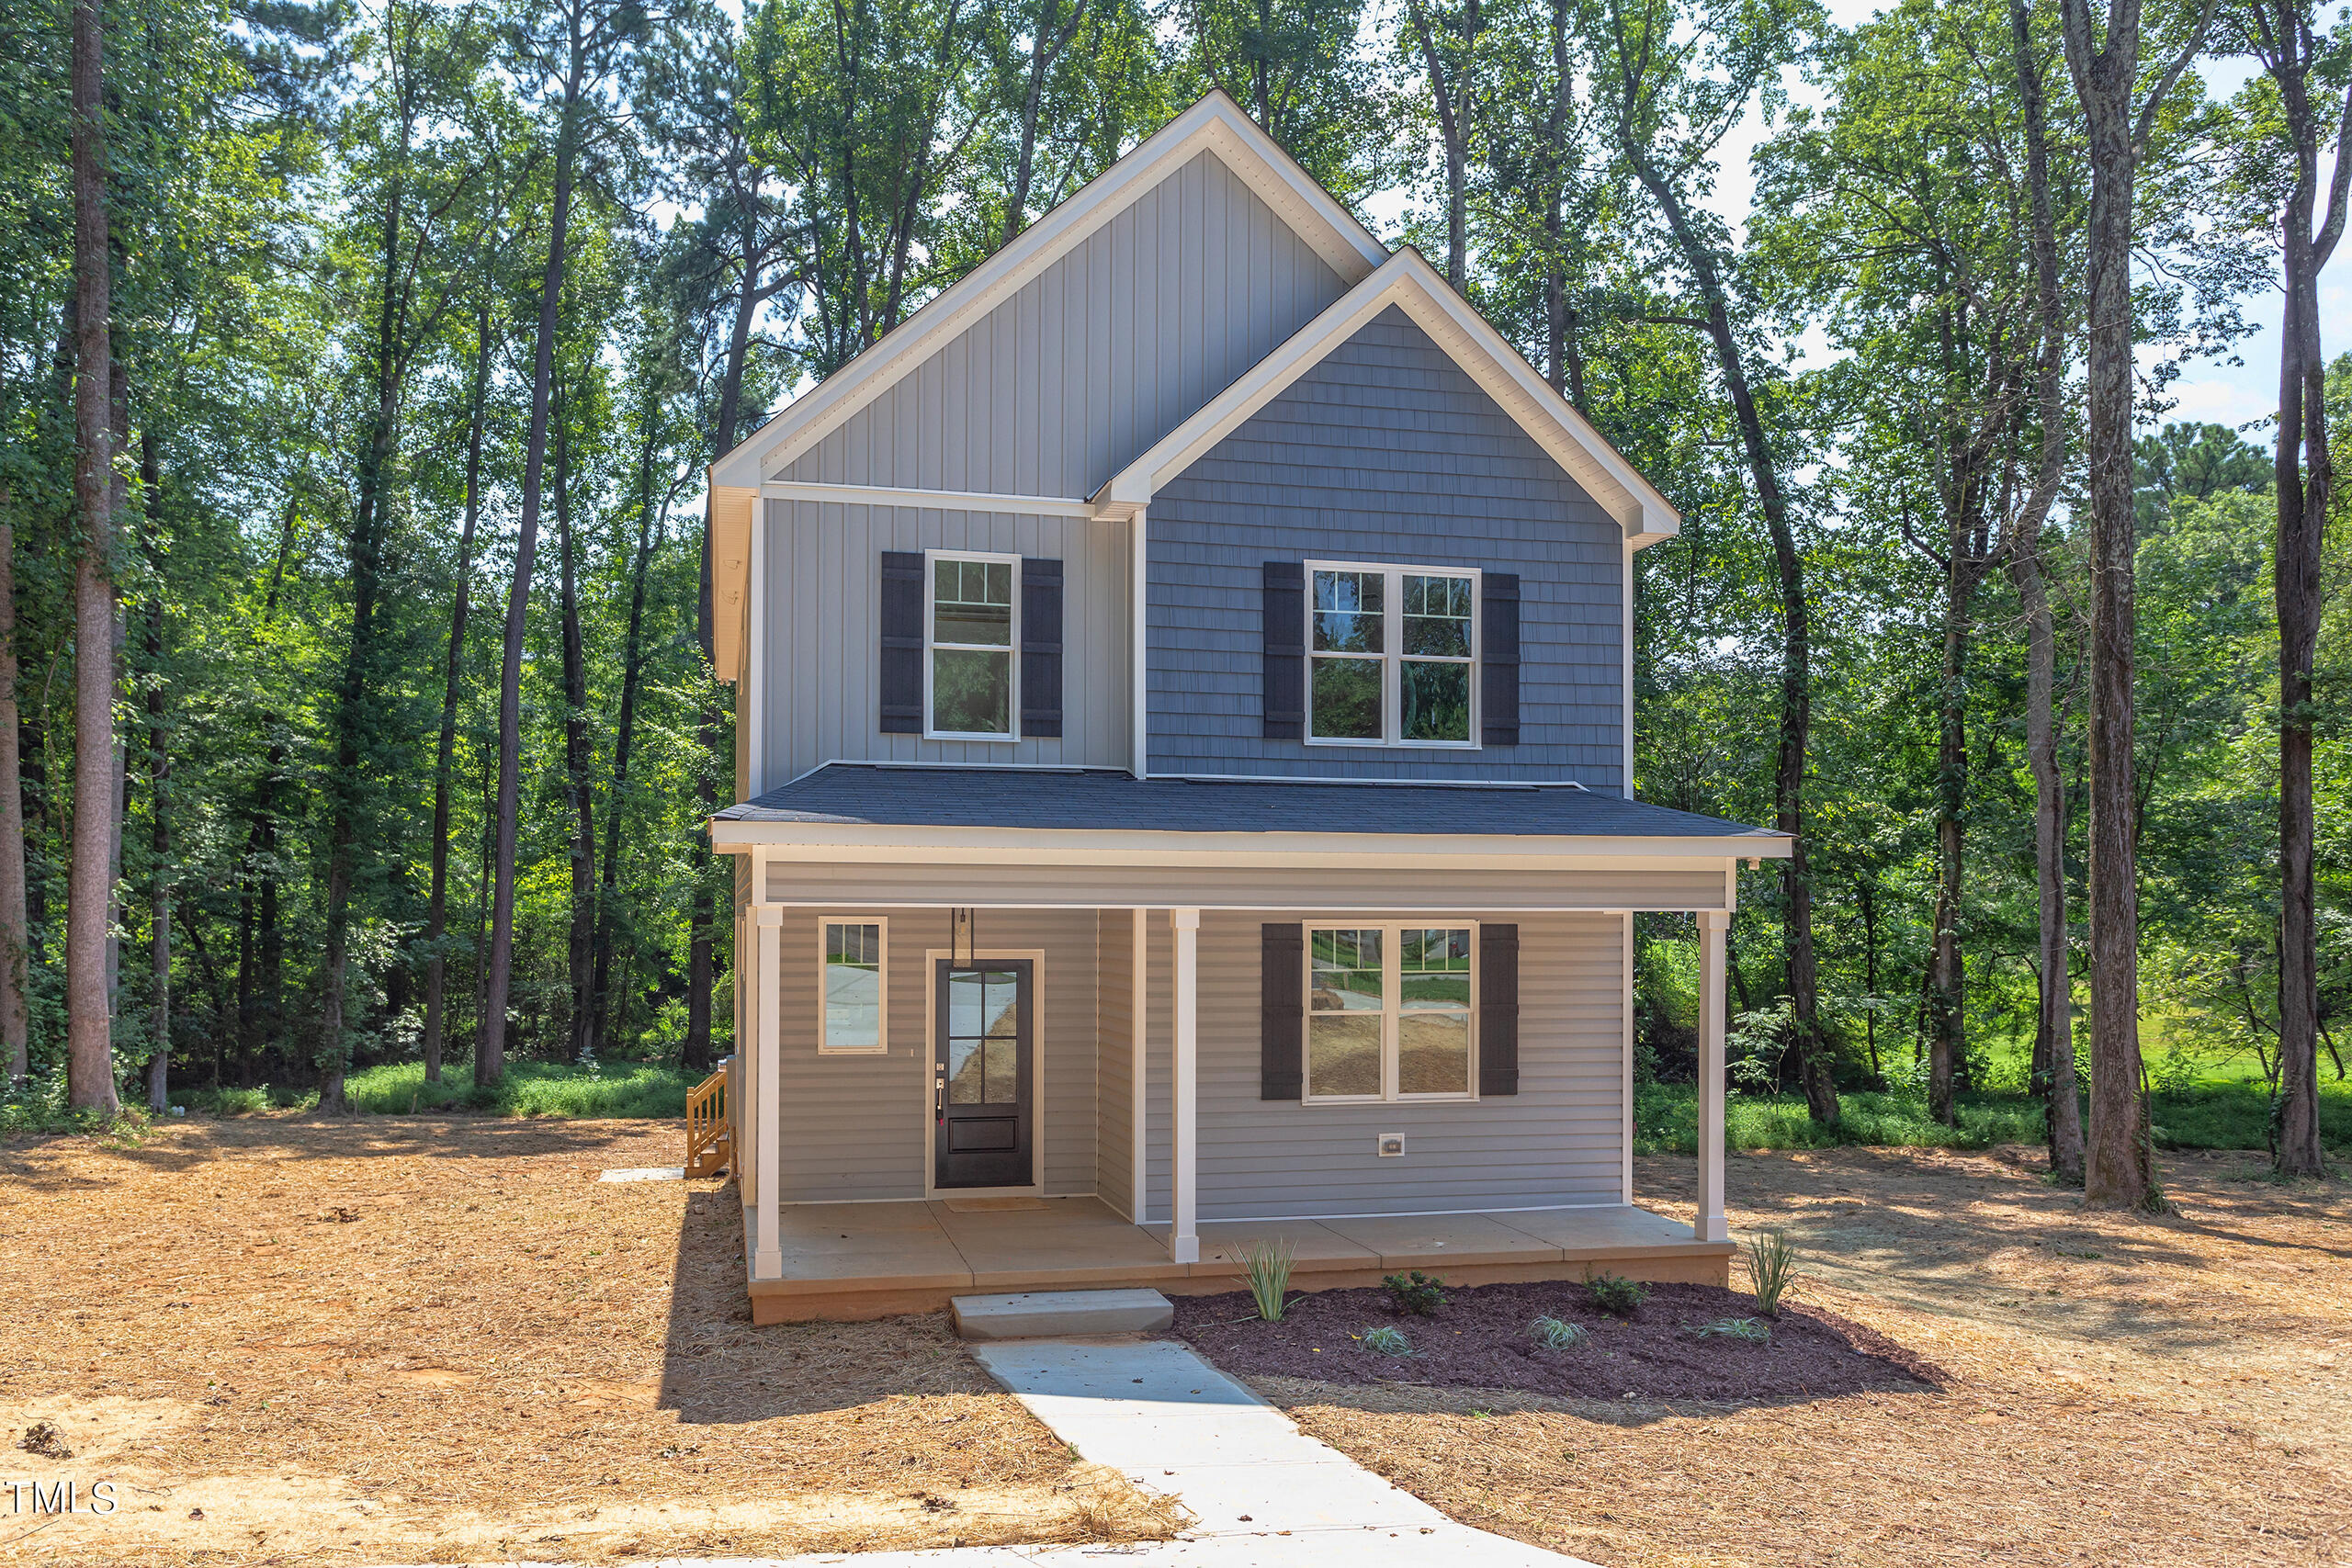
408,1338
2120,1390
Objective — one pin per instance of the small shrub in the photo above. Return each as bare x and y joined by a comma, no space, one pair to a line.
1554,1335
1746,1329
1617,1296
1267,1267
1418,1293
1771,1264
1387,1340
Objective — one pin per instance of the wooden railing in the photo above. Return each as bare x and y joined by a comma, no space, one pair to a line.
708,1142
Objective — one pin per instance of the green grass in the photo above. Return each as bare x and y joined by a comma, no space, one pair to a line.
529,1088
2212,1115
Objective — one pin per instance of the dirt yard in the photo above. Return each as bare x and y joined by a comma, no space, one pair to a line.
395,1340
2123,1391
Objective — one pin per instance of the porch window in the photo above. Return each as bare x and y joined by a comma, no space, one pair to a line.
854,1020
1388,1012
1392,655
971,632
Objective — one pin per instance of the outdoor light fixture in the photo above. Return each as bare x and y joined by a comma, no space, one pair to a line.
960,947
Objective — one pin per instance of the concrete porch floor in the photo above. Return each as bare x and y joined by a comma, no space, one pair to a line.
847,1262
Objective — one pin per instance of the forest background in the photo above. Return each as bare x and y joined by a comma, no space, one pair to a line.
425,317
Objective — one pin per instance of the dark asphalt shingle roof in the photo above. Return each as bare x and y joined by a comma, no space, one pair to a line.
1109,801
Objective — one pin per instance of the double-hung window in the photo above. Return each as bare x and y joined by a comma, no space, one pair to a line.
1392,655
971,630
852,1019
1388,1012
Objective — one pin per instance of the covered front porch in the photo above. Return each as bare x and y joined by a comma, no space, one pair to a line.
844,1262
1168,1042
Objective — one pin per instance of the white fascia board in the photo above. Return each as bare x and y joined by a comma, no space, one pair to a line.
927,500
1407,281
1215,124
864,842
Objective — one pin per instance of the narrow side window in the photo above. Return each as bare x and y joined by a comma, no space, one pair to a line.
854,1018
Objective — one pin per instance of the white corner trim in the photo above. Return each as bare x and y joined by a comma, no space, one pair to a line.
927,500
1139,645
1215,124
1408,282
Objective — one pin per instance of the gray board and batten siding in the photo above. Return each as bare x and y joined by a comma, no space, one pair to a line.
1097,358
1385,451
821,571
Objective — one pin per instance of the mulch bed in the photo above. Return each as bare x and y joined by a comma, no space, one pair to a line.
1480,1339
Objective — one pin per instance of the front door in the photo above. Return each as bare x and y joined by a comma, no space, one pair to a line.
981,1075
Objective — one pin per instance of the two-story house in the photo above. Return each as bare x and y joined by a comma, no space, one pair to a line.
1184,777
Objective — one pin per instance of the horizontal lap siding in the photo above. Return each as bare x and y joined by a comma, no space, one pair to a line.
859,1127
1107,350
1700,887
823,566
1559,1141
1386,451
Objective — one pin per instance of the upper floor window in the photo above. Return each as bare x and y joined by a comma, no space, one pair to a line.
972,629
1392,655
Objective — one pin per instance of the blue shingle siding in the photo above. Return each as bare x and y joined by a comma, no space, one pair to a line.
1385,451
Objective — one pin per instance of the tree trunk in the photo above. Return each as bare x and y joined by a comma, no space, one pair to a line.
575,752
436,965
1452,99
16,1024
159,814
490,1056
2305,484
1947,989
1796,643
624,733
159,917
352,719
2118,1157
2054,1015
89,1024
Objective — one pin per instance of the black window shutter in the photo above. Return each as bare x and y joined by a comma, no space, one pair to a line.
1498,1010
1286,643
1281,1008
1499,653
1041,648
901,651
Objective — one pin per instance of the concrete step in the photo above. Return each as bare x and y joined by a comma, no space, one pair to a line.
1057,1315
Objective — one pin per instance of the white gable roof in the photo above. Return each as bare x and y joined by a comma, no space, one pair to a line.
1408,282
1215,124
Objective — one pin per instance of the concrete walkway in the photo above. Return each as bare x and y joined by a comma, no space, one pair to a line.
1264,1494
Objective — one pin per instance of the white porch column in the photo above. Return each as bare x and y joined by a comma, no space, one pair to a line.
1184,1235
1712,924
767,1254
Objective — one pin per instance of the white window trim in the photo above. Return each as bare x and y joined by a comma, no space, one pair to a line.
1012,650
1392,655
881,1046
1392,1010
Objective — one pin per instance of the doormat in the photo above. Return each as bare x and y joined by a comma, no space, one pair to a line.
992,1205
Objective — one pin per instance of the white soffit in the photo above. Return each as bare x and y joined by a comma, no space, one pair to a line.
1215,124
1407,281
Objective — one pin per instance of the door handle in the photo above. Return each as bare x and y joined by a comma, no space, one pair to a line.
939,1099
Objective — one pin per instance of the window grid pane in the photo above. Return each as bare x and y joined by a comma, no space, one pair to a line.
1390,1011
1376,682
